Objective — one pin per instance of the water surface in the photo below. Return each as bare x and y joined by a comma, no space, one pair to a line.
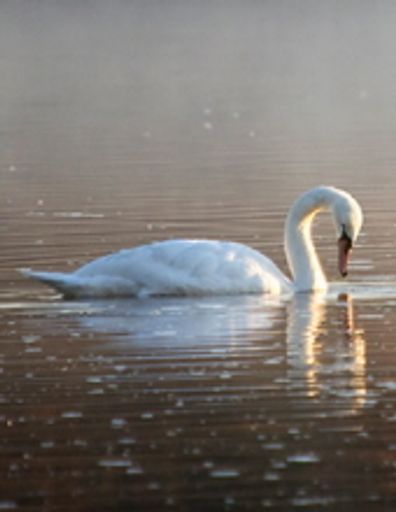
140,122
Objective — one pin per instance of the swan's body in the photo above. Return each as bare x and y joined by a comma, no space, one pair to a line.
203,267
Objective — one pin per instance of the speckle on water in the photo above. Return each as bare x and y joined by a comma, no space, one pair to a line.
127,441
30,338
271,476
118,423
71,414
114,463
47,444
33,350
273,360
304,458
147,416
120,368
96,391
153,486
8,505
312,501
134,469
391,385
94,379
224,473
80,443
273,446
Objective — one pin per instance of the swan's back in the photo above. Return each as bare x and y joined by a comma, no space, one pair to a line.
188,267
174,267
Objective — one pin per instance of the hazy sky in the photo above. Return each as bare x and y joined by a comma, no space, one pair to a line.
129,73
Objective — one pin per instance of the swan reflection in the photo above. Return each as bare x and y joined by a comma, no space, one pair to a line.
324,360
325,352
175,323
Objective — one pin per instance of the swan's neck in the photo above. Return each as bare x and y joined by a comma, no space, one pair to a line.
300,252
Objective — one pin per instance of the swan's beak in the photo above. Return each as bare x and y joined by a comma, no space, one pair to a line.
344,249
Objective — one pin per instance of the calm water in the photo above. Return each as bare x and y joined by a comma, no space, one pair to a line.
134,122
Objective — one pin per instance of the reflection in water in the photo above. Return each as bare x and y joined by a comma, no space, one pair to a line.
306,314
319,363
311,359
356,343
177,323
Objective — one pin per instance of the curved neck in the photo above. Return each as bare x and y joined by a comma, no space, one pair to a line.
300,252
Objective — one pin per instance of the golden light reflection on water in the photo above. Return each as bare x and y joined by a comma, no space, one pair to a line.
309,355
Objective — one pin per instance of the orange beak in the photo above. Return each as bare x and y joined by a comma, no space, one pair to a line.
344,250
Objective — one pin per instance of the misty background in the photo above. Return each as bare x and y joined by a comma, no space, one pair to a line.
204,77
202,111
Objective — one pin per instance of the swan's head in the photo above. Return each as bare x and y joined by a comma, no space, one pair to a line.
348,218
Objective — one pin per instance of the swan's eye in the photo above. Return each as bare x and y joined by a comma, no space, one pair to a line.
346,238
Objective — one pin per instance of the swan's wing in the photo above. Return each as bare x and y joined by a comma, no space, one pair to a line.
176,267
187,267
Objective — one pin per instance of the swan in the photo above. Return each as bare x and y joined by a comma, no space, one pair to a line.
209,267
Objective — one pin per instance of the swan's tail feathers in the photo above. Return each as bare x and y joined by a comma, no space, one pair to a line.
66,284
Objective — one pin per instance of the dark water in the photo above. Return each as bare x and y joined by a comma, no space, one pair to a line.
138,121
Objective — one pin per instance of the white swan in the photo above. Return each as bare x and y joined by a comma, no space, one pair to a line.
204,267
